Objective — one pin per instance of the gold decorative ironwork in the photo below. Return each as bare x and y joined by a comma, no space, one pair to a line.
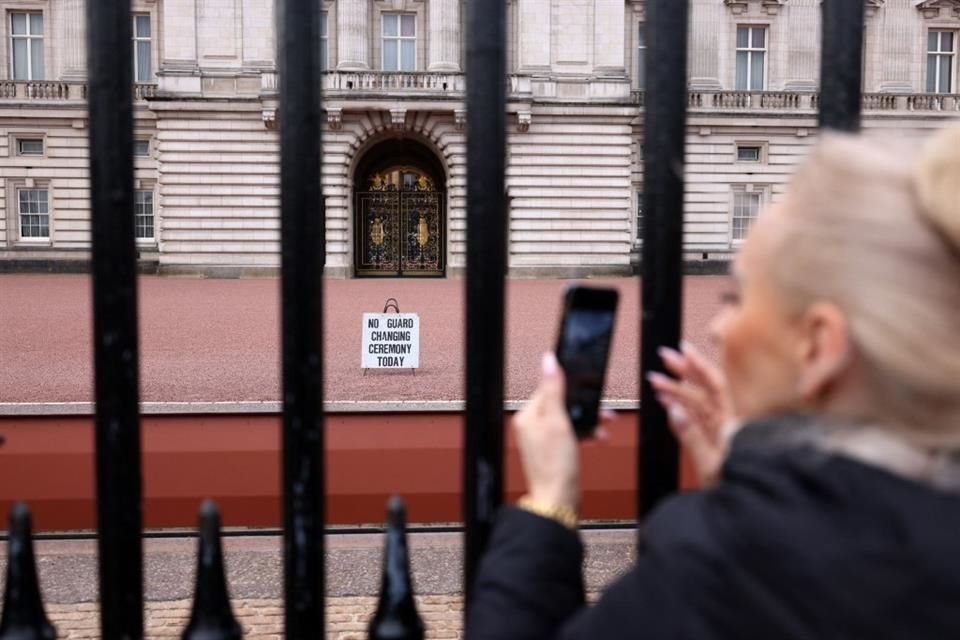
399,232
423,233
376,232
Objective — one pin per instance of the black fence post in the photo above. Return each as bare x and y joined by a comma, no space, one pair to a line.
116,372
303,247
841,64
486,269
23,616
664,133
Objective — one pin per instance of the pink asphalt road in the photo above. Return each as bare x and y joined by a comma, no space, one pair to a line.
205,340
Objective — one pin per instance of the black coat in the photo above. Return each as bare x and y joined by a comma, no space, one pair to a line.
793,543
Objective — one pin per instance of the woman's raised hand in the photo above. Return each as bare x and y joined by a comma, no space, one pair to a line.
698,405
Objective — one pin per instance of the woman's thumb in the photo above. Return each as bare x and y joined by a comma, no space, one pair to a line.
552,380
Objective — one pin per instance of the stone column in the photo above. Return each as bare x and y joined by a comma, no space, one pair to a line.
534,34
799,70
444,35
353,35
901,32
73,43
608,36
179,72
703,65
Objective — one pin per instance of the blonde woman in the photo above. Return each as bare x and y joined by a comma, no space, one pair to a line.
828,441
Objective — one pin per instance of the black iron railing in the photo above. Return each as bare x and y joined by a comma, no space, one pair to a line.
303,244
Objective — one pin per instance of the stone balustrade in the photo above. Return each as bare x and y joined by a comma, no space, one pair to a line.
789,101
397,83
58,91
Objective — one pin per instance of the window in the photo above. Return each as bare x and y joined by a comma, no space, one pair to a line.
324,43
141,148
29,146
639,220
749,153
940,52
642,57
34,213
746,206
143,214
142,68
26,45
751,53
399,42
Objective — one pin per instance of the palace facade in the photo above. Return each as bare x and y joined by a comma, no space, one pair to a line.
207,164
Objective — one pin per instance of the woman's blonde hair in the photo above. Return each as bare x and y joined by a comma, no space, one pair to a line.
876,229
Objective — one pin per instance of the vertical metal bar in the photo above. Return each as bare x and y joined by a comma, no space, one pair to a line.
486,269
116,372
662,283
303,246
841,64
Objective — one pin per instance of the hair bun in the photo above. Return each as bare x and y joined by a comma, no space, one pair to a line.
937,180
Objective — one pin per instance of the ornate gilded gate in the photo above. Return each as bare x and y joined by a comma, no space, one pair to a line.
400,227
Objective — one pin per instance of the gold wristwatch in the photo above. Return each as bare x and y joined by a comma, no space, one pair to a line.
561,513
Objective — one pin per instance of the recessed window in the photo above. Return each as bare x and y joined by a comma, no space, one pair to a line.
749,153
142,65
399,42
642,56
29,146
26,45
324,42
639,218
746,207
34,211
141,148
751,57
940,56
143,214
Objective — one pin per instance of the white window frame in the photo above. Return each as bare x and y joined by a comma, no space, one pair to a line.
151,239
18,140
761,191
29,37
17,190
938,56
137,39
400,39
760,145
137,141
751,51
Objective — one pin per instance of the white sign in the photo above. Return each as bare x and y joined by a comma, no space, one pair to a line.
390,341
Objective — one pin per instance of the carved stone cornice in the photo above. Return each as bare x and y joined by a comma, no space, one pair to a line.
938,8
741,7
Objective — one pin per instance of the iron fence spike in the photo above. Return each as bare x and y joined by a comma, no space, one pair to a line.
23,615
396,617
212,616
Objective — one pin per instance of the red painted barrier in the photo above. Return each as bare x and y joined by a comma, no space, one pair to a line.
48,462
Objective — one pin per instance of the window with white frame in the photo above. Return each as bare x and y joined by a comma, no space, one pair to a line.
141,148
749,153
751,58
747,203
142,64
324,43
26,45
642,57
143,214
940,55
33,207
29,146
399,42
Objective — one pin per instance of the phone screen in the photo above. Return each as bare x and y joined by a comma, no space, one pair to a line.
582,351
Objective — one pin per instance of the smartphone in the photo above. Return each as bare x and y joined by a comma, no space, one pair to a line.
583,348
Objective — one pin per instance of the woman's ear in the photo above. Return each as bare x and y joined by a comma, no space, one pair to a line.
826,349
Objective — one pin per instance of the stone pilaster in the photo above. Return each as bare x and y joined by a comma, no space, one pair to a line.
899,35
444,35
800,26
71,33
703,66
608,36
353,35
535,29
179,35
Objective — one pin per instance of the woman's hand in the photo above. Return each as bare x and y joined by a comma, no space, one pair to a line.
699,407
548,445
